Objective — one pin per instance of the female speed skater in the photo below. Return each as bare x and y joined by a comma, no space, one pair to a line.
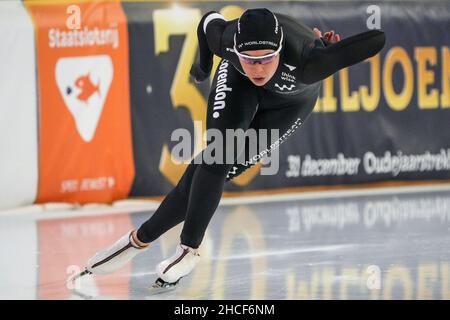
269,77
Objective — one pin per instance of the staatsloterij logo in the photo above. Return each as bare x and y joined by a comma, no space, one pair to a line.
84,83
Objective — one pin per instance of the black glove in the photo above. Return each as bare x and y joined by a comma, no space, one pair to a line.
205,61
198,74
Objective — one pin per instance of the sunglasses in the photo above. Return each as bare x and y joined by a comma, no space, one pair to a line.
265,59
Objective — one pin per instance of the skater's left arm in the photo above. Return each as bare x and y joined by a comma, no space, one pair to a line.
328,57
209,35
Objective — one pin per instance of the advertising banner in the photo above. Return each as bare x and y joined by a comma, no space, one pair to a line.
384,119
113,86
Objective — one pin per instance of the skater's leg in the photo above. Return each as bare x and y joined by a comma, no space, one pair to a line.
171,211
203,203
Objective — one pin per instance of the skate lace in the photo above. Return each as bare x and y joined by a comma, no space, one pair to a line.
112,255
183,254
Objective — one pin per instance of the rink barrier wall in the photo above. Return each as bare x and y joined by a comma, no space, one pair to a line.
105,92
18,107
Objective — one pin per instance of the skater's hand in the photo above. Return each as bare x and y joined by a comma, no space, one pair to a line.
329,36
198,74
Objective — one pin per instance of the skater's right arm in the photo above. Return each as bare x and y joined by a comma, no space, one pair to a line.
209,35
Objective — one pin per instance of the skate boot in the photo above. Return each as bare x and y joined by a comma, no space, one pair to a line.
171,270
114,257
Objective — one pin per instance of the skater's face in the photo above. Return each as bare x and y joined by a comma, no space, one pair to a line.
260,71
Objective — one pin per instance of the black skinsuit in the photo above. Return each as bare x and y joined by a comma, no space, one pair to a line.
283,103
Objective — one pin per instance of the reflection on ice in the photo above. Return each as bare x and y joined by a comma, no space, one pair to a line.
366,247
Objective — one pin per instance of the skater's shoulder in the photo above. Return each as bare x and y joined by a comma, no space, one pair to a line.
298,38
294,27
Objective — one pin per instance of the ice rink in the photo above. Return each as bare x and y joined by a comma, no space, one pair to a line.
364,244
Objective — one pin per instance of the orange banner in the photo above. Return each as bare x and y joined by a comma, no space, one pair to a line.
85,128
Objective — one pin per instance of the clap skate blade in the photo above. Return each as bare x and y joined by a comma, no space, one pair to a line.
161,286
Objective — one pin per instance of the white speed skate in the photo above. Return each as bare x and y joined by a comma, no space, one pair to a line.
171,270
114,257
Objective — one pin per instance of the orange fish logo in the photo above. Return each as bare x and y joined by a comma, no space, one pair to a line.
87,88
83,83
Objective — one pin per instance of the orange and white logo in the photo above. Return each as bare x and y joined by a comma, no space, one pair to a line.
85,142
83,83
